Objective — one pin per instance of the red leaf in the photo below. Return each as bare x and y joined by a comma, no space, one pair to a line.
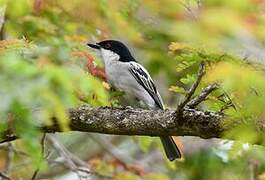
91,67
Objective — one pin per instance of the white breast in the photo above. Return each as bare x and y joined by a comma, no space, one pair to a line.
119,76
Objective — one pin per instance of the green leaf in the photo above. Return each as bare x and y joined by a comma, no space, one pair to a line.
188,79
177,89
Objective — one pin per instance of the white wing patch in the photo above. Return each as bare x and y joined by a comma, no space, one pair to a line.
143,78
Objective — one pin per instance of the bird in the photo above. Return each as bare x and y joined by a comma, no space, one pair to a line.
125,74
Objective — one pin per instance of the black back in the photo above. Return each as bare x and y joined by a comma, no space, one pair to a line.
119,48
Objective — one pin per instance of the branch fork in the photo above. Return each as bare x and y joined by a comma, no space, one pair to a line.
192,103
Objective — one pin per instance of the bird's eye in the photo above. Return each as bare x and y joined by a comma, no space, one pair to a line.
108,45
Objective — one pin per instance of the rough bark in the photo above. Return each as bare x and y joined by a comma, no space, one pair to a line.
128,121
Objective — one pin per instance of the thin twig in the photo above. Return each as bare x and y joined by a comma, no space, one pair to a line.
4,176
202,96
42,153
21,165
9,149
18,152
192,89
112,150
188,8
70,160
9,157
2,23
199,3
228,102
8,138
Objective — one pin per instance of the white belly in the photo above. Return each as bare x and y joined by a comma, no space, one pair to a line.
119,76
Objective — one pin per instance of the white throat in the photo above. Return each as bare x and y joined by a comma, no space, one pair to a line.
109,56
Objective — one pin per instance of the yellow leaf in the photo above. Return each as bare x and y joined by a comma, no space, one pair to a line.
106,85
127,176
261,176
174,46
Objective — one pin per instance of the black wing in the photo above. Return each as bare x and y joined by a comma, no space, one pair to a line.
143,78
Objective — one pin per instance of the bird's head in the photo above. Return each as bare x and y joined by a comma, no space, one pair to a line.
113,50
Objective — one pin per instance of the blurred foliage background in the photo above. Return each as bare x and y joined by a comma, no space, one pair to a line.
43,73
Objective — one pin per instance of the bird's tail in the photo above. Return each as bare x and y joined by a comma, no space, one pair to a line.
171,149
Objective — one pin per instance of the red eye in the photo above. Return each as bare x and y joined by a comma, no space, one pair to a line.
108,45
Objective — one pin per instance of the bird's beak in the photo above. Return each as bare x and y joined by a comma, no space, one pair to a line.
95,46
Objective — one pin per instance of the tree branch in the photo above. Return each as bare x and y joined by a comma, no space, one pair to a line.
192,90
202,96
129,121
